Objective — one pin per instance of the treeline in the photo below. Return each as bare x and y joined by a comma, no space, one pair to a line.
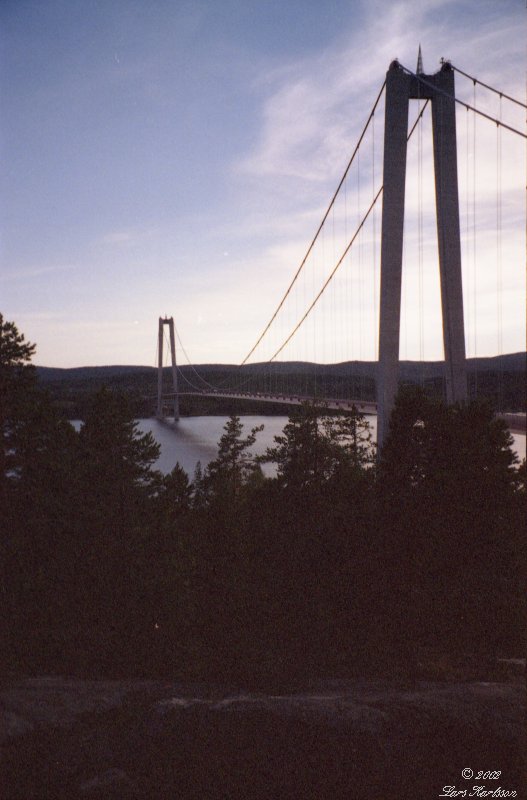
501,381
340,565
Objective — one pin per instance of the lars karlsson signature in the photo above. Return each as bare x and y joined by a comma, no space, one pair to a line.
477,791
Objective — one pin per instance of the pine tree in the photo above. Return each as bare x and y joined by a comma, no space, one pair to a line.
229,472
117,459
316,447
175,494
448,488
17,387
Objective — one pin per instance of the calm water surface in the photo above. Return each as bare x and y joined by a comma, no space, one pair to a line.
196,439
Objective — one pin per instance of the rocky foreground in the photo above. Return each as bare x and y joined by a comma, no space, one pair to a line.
71,738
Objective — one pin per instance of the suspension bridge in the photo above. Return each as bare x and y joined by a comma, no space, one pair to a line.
357,295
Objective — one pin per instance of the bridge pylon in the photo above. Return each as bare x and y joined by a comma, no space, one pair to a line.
401,87
160,405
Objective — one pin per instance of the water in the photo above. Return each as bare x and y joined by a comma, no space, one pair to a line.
519,445
196,439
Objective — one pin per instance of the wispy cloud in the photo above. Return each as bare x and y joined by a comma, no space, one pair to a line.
157,242
25,273
118,237
314,109
128,237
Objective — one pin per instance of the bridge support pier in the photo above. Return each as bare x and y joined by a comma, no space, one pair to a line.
160,405
400,88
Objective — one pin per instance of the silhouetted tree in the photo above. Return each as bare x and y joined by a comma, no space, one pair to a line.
37,479
315,446
334,565
447,487
116,456
304,455
226,475
17,383
174,495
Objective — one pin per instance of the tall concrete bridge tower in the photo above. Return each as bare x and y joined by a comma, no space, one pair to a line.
160,405
401,87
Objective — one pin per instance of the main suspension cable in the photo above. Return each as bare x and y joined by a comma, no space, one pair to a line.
328,280
207,383
344,254
486,86
462,103
189,362
182,375
299,270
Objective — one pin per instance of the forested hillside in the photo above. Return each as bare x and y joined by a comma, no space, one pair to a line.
500,380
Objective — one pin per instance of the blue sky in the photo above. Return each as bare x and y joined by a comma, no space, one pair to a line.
176,157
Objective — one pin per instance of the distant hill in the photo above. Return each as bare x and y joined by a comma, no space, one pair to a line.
501,379
409,370
83,373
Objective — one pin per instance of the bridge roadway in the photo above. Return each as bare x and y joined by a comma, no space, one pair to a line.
364,406
516,422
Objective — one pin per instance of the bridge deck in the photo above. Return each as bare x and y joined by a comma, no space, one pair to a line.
364,406
516,422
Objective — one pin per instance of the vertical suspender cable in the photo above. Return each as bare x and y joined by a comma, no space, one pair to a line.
323,379
499,263
306,334
474,250
467,225
348,294
361,289
315,388
374,229
334,298
420,239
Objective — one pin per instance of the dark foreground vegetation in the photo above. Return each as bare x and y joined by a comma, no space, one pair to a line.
338,566
381,576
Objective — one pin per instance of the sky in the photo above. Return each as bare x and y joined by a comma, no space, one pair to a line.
175,157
